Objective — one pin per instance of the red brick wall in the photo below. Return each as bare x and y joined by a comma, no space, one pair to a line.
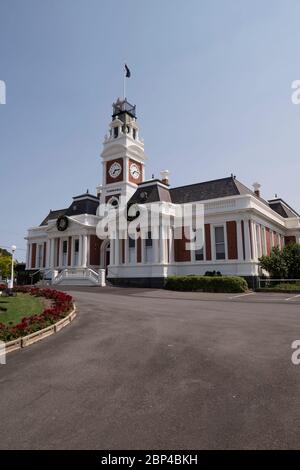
139,250
232,240
122,257
33,255
180,252
95,246
207,241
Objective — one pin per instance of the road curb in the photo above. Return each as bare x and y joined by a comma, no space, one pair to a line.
25,341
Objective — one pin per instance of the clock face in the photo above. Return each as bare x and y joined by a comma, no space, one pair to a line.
115,170
135,171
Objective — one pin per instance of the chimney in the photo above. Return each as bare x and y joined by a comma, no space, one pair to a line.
256,187
164,176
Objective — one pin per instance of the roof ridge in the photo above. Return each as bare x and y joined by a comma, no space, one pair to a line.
204,182
57,210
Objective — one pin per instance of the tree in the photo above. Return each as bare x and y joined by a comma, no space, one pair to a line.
291,256
283,263
5,265
4,252
274,264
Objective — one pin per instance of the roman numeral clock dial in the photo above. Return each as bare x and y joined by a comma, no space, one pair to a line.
135,171
115,170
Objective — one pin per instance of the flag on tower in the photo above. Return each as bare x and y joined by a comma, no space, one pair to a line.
127,72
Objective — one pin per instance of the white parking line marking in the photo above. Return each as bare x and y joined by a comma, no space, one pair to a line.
291,298
241,295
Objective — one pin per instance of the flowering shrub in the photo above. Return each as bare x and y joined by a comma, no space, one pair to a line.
61,305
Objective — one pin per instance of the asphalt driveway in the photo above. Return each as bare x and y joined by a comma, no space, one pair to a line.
142,369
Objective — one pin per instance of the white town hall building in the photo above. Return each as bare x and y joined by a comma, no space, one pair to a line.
239,225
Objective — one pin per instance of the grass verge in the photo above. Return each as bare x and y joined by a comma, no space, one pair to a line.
13,309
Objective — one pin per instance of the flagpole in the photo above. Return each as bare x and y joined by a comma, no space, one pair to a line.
124,84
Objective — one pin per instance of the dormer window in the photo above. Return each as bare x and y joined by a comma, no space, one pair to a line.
116,132
134,133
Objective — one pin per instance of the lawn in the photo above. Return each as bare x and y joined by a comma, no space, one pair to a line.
284,287
23,305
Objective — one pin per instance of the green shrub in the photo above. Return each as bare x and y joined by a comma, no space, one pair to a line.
283,263
229,284
213,273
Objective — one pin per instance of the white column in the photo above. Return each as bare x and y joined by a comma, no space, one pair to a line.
171,246
254,240
126,247
156,250
117,250
55,244
84,251
60,252
240,239
72,250
88,245
28,255
80,251
53,253
112,251
143,246
48,246
163,244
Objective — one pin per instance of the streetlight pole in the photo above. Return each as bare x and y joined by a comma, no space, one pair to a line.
13,249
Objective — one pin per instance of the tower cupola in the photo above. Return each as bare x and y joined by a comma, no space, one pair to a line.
124,120
123,154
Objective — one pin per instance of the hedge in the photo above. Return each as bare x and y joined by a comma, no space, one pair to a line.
229,284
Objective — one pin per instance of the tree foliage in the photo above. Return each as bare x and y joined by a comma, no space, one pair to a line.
5,265
4,252
283,263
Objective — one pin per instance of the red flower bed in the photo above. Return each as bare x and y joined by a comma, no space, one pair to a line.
61,305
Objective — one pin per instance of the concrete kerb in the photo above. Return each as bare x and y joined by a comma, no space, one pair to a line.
25,341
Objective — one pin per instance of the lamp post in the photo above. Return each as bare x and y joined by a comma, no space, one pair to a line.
13,249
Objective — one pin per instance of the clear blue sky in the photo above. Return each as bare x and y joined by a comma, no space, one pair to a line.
211,80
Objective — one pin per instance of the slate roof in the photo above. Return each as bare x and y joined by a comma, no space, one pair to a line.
282,208
214,189
154,192
83,204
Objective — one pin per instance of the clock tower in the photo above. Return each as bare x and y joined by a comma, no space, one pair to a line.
123,155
